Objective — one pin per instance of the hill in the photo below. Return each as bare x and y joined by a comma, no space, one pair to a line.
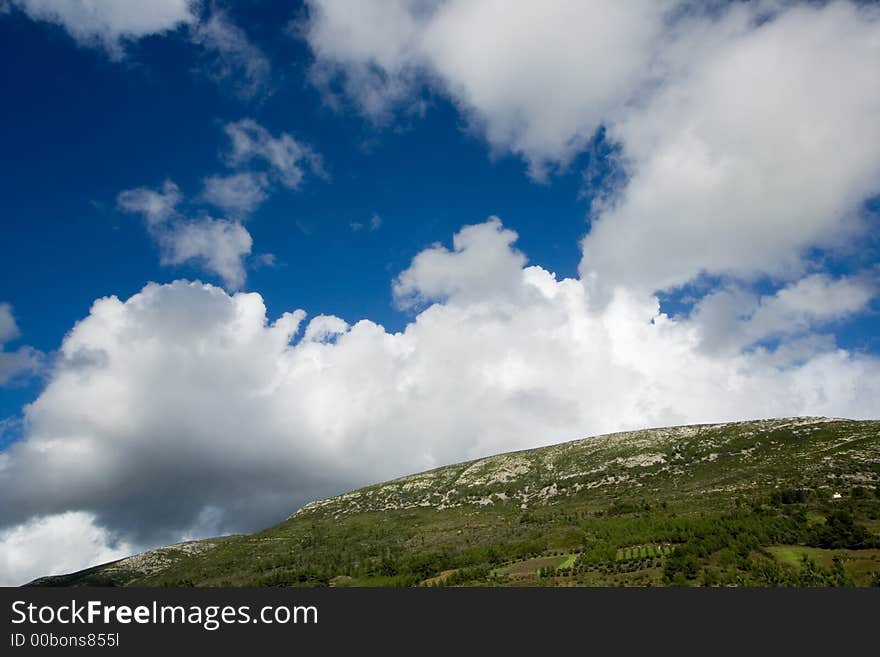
788,502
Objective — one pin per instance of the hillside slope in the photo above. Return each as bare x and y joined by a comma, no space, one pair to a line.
765,503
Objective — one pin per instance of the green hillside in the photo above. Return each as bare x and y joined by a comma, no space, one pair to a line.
790,502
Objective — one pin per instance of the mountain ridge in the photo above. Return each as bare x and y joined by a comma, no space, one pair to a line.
595,441
590,499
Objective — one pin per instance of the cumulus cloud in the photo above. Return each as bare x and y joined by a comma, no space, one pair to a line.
30,550
237,193
155,205
759,149
734,318
499,60
220,246
8,326
747,132
481,265
21,363
378,67
288,159
217,245
109,23
286,162
236,59
184,410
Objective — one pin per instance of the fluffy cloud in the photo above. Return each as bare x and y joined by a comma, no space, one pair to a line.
220,246
217,245
759,149
481,265
8,326
183,410
237,193
748,131
155,205
24,361
287,158
30,550
499,60
735,318
110,22
286,162
747,134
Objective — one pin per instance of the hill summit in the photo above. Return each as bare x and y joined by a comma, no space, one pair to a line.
784,502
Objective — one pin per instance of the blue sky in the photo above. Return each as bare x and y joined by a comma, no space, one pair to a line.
686,231
81,128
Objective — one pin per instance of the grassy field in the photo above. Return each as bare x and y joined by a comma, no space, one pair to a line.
793,555
738,504
863,566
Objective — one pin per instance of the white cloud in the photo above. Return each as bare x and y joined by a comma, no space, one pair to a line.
237,60
324,327
482,265
110,22
288,159
21,363
237,193
735,318
8,326
500,60
537,78
746,143
31,549
218,245
18,365
288,162
183,403
379,66
763,146
232,59
156,206
749,130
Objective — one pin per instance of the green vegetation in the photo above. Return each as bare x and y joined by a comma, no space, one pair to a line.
765,503
569,561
